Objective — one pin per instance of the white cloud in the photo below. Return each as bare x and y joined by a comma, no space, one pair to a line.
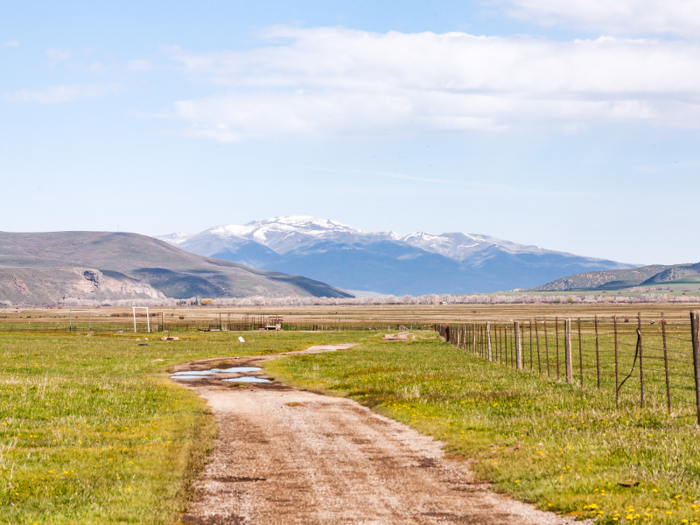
58,54
617,16
61,94
10,43
334,81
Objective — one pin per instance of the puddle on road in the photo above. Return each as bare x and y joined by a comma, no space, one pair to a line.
202,374
196,373
247,379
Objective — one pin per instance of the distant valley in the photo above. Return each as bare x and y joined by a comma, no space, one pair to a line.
386,262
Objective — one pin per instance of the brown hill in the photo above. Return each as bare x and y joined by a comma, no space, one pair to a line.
45,268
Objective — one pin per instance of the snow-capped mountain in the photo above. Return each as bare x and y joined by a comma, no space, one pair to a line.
385,262
281,234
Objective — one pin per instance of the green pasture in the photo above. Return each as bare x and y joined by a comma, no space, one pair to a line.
564,448
92,431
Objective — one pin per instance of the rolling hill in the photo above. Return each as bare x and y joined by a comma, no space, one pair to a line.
386,262
46,268
620,279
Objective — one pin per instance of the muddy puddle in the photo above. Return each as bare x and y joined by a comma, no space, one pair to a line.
247,379
201,374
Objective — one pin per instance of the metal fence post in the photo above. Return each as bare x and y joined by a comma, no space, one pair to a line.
518,346
568,364
668,384
641,362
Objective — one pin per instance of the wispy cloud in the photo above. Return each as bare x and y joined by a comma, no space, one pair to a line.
335,81
669,167
10,43
61,94
58,54
481,187
681,17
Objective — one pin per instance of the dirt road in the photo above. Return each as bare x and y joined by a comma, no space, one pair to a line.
285,456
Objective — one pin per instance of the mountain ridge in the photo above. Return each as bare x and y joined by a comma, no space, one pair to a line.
386,262
619,279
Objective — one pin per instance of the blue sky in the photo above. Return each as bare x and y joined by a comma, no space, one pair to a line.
572,125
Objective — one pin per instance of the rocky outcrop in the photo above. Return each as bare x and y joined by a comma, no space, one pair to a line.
53,285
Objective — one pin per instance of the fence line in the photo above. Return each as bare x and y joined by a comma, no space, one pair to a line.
214,324
638,361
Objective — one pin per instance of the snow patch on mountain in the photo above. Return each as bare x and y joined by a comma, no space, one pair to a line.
285,234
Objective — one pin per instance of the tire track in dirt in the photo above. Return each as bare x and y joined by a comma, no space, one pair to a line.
286,456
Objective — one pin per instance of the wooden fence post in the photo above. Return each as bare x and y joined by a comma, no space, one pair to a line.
518,346
568,364
695,329
530,329
474,338
488,341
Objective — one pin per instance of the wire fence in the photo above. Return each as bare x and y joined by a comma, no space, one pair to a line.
650,362
158,322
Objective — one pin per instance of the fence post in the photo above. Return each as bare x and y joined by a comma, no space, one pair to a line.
617,378
597,354
695,329
488,340
474,338
497,335
511,347
537,342
518,346
568,364
580,352
530,329
546,345
556,339
668,385
641,363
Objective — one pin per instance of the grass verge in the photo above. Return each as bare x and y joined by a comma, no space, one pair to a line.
566,449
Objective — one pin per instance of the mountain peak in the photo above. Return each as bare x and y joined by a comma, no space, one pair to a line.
386,262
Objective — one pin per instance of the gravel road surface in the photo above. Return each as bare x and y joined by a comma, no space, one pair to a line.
285,456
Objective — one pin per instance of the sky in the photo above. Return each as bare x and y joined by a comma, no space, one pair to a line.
567,124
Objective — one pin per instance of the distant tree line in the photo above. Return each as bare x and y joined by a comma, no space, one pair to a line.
523,298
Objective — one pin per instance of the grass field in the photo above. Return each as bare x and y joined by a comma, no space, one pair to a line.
92,431
561,447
